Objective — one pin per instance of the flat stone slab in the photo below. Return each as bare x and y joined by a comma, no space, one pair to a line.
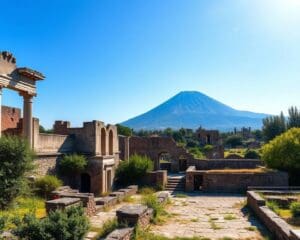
120,234
132,211
117,194
63,201
125,190
106,201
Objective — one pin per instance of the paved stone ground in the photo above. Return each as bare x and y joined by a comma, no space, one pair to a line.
211,216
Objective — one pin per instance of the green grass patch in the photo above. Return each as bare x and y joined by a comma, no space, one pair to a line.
22,206
180,195
229,217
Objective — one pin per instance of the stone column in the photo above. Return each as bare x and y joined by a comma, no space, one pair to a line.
0,110
27,117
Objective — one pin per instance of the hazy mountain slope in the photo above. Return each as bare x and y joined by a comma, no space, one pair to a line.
194,109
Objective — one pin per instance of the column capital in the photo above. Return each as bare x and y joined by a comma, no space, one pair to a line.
26,95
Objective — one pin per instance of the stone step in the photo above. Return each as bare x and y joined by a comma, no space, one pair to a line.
175,184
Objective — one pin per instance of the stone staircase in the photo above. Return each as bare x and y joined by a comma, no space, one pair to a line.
176,183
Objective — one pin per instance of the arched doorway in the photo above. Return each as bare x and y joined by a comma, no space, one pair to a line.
164,161
110,142
103,141
85,183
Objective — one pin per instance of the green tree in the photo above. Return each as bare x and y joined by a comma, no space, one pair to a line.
233,141
273,126
283,153
16,159
132,171
294,118
125,131
251,154
72,164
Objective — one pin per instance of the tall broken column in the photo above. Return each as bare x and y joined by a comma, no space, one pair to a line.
27,117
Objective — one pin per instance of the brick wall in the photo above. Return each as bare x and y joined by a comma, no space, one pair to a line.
10,117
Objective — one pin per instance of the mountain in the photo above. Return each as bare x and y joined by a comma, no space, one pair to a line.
191,109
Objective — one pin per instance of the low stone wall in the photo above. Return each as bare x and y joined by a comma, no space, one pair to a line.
210,164
210,181
133,215
87,199
156,178
276,225
239,182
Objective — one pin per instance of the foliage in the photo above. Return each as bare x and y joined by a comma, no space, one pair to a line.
108,226
196,152
146,190
273,206
151,201
273,126
233,141
72,164
43,130
70,224
294,118
125,131
207,148
132,171
2,224
16,159
295,209
283,152
22,206
45,185
251,154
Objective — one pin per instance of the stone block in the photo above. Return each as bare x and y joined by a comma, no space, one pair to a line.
121,234
61,204
126,191
135,214
106,201
119,195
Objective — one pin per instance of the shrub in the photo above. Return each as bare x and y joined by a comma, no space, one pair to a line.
16,158
108,227
151,201
72,164
234,141
251,154
295,209
283,153
70,224
2,224
45,185
132,171
196,152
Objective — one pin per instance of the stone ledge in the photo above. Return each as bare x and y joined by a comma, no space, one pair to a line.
121,234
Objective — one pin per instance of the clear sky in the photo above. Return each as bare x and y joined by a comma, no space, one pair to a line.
111,60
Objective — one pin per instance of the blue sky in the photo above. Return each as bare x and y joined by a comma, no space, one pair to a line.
114,59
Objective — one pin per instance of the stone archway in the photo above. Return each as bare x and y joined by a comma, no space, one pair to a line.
164,161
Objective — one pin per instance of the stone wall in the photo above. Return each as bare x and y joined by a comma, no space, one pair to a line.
239,182
210,181
10,117
54,143
155,178
202,164
153,147
46,164
276,225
